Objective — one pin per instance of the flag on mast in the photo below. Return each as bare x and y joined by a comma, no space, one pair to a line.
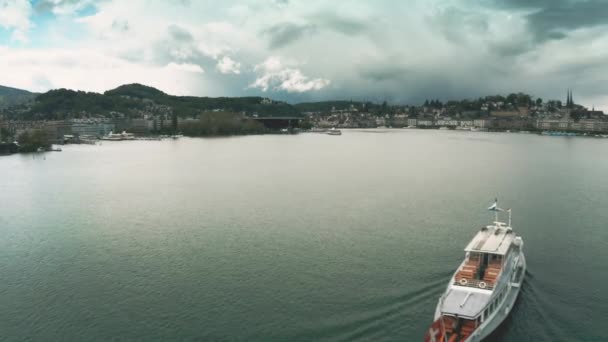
494,207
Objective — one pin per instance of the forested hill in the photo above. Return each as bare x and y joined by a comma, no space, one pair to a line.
134,99
13,96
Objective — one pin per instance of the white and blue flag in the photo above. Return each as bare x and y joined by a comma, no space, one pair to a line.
494,207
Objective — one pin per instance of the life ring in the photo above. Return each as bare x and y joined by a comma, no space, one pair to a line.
463,282
482,284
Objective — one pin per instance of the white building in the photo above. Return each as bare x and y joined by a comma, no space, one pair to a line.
481,123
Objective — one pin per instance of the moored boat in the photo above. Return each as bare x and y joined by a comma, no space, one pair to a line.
119,136
334,131
483,290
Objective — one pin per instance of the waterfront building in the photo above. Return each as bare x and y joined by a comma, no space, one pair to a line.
481,123
425,123
566,124
512,123
446,122
57,129
553,124
380,122
90,127
466,123
141,125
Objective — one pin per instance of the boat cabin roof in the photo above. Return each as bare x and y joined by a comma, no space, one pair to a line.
493,239
465,302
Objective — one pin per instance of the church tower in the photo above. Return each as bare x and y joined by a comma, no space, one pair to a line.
571,100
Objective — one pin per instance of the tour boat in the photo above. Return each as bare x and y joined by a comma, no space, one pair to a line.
119,136
483,290
334,131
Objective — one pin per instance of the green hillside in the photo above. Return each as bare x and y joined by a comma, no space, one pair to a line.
12,96
133,99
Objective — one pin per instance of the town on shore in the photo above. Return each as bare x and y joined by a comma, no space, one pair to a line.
516,112
34,122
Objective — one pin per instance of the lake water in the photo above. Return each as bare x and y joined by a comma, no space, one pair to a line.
295,238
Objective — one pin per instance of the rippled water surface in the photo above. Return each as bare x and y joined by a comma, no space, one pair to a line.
286,238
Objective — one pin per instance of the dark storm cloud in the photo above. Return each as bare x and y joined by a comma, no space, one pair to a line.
379,72
177,46
455,24
554,19
285,33
179,34
347,26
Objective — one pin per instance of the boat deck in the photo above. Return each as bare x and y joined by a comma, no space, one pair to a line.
472,273
458,329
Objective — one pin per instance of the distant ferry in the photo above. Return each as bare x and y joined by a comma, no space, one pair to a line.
119,136
483,290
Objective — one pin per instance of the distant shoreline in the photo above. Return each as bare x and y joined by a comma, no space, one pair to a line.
7,149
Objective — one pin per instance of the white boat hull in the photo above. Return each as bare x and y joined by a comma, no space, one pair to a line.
499,315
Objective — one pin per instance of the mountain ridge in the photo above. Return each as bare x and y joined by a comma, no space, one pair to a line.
133,100
10,96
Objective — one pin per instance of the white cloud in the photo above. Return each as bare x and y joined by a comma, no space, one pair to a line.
15,16
227,65
89,70
400,51
275,76
66,7
185,67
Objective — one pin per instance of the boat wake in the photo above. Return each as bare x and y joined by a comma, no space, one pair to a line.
381,318
542,315
533,312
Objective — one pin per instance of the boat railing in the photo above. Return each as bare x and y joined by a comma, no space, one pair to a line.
476,283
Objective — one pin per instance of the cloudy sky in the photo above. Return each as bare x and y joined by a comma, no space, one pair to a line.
399,51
